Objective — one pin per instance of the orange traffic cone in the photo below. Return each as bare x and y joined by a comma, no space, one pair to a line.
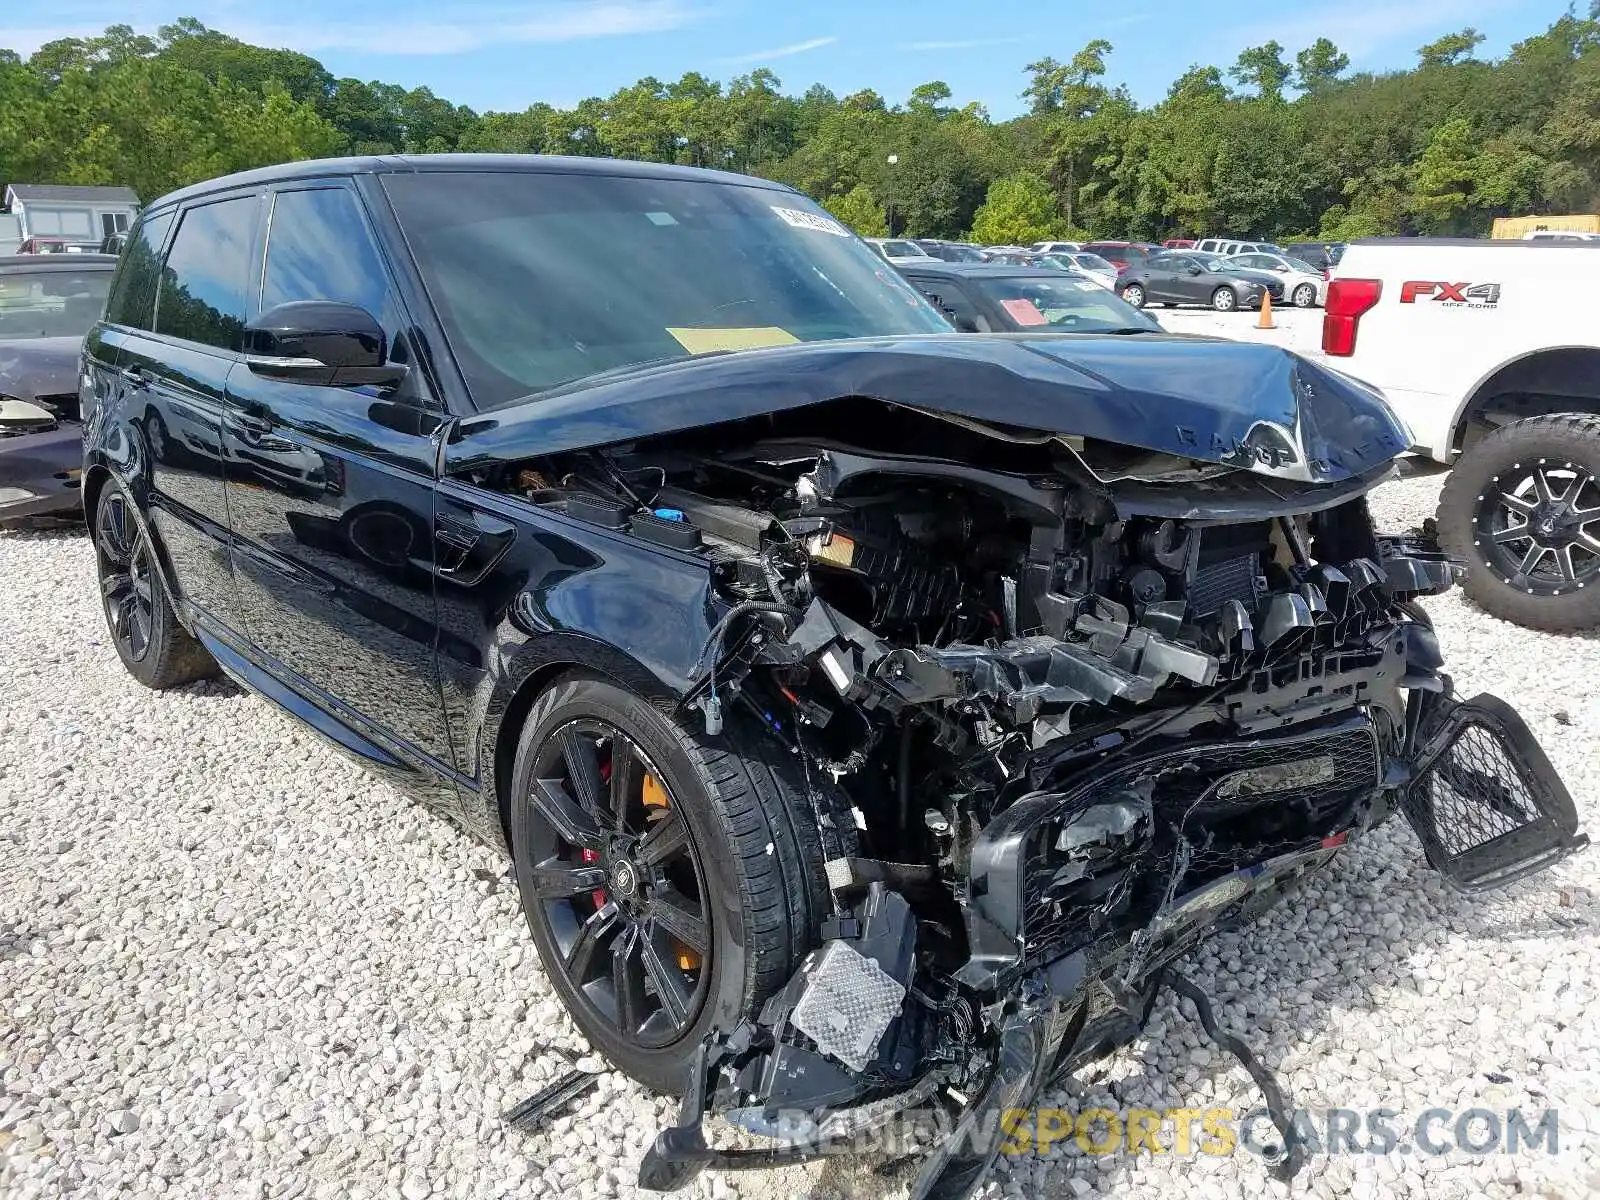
1266,312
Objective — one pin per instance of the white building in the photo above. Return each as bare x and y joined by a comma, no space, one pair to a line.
80,215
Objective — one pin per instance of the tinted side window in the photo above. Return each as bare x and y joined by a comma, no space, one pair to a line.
133,292
319,248
207,275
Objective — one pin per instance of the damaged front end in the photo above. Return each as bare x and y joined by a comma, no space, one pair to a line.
1068,707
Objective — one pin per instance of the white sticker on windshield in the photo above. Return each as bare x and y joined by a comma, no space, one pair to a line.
801,219
661,218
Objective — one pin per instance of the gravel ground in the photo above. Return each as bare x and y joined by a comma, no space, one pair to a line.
233,965
1298,329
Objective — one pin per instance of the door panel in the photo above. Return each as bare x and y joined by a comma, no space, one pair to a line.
172,393
332,513
330,494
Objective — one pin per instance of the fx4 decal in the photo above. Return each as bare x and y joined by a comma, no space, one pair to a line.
1464,295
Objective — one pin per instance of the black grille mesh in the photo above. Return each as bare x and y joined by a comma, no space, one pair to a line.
1474,795
1218,836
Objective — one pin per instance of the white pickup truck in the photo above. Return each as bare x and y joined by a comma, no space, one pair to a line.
1490,352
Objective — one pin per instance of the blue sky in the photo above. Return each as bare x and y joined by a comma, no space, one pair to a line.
498,54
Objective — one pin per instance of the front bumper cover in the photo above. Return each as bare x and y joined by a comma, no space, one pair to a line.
1472,781
40,473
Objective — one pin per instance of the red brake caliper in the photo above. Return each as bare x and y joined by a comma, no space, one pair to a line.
590,857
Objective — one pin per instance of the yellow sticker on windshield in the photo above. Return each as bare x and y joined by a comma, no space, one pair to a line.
704,341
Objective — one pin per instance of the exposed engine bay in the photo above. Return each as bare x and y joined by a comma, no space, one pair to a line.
1067,707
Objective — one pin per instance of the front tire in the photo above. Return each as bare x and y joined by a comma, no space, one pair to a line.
1134,295
1223,300
671,881
1522,509
156,650
1305,296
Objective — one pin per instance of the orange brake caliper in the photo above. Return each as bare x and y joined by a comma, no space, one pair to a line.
655,796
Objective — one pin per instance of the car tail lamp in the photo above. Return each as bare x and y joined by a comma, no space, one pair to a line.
1347,300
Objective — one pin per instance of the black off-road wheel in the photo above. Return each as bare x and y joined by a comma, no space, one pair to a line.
671,881
157,651
1522,509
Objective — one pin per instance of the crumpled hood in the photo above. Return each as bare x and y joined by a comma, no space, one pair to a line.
31,367
1239,404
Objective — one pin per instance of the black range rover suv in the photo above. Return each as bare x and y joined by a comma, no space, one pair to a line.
872,712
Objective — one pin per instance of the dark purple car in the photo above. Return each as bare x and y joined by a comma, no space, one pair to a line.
47,304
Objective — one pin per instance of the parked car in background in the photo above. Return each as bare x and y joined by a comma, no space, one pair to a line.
898,250
56,245
1090,265
1303,285
994,297
1322,255
1054,247
1481,348
1178,244
1180,277
1121,254
47,304
1228,247
1559,235
951,251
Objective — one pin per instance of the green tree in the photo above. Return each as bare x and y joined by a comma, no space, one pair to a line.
859,209
1318,65
1451,49
1017,210
1262,69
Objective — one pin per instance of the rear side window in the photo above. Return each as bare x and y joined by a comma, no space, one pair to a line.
319,248
133,291
207,275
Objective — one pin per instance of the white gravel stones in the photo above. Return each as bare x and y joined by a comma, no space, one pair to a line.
232,964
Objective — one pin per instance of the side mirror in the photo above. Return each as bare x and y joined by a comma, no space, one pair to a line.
322,343
1193,270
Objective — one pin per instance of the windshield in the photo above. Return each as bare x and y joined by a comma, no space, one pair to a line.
1093,262
542,279
1300,264
1212,262
903,249
1067,305
51,303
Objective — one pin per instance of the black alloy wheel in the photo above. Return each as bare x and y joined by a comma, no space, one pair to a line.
619,885
1538,527
127,579
672,880
156,650
1521,508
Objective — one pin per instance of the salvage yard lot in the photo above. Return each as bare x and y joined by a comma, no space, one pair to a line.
232,964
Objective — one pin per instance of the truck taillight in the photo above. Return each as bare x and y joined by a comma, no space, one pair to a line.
1347,300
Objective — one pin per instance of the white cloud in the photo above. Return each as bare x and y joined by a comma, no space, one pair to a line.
968,44
761,56
1362,27
468,26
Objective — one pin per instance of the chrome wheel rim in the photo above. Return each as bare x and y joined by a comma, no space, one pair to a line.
1537,527
127,580
618,884
1134,296
1224,301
